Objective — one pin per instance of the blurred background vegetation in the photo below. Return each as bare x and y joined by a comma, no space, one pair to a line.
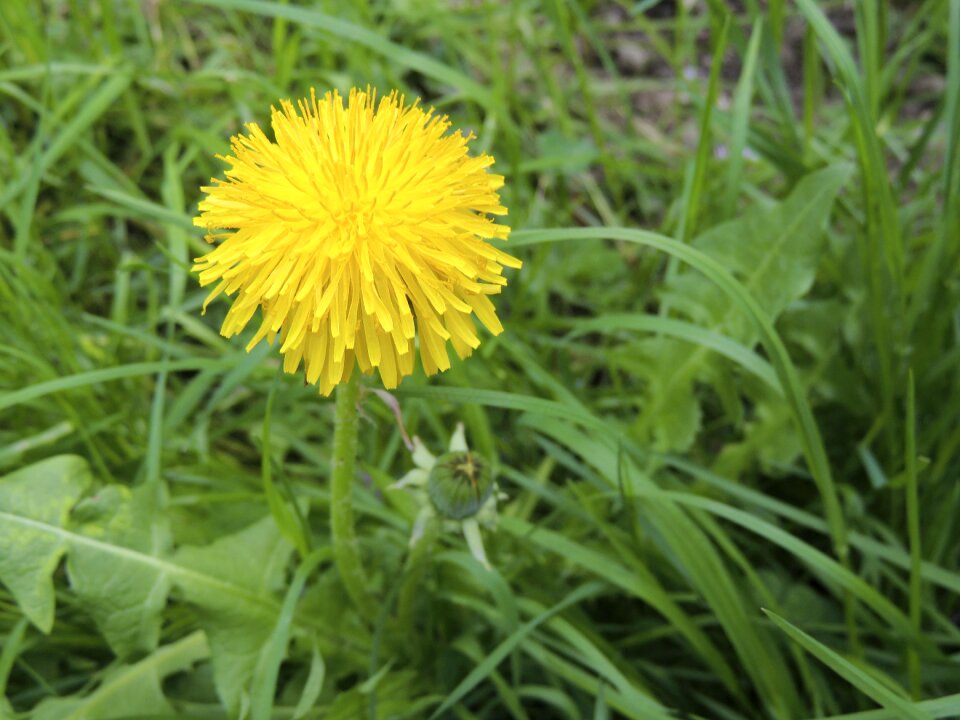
769,421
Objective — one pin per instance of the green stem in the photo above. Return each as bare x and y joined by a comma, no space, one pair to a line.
346,550
413,575
914,669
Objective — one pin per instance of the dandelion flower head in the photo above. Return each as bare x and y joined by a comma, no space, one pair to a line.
356,230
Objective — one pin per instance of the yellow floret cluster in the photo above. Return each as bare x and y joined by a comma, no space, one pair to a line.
357,230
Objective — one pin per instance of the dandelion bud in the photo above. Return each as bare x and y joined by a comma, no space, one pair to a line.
460,484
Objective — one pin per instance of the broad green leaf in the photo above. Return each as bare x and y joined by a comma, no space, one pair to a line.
124,595
773,251
118,568
38,496
672,398
767,439
130,690
252,560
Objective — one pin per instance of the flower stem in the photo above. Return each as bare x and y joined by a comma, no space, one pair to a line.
346,550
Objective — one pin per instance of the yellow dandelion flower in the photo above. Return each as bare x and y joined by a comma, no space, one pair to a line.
355,231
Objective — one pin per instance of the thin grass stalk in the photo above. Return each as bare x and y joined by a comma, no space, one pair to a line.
881,242
945,250
914,672
812,87
743,97
704,146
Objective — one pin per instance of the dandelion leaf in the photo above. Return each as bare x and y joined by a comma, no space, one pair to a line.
121,567
773,251
130,690
34,500
397,692
124,594
678,418
252,562
768,439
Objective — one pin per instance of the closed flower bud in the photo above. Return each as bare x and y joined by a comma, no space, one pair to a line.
460,484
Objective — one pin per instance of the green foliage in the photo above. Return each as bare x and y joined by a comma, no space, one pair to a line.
120,569
727,381
124,595
132,690
234,603
775,271
35,502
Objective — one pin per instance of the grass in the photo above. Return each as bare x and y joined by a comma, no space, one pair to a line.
723,410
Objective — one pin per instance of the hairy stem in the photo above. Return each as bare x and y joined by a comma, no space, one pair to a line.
346,550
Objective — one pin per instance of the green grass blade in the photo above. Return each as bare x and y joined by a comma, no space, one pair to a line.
913,533
683,330
13,646
930,572
702,157
498,398
587,682
817,561
483,670
640,584
813,447
695,558
883,240
90,111
850,672
95,377
945,707
342,29
263,686
595,658
951,188
288,520
740,120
